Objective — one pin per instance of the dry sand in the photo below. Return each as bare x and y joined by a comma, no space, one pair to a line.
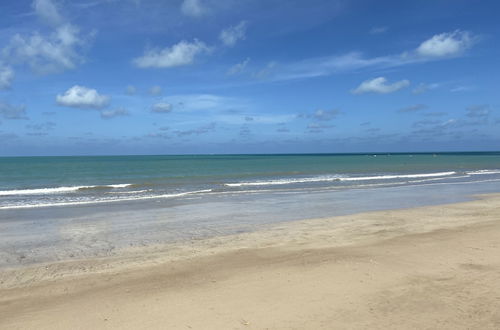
424,268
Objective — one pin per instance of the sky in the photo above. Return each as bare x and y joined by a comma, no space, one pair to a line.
114,77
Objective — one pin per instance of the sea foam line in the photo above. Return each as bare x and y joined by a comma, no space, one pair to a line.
42,191
339,178
100,201
482,172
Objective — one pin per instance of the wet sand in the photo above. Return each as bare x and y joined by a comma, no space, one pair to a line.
432,267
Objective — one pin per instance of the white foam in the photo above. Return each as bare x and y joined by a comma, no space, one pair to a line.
56,190
402,176
482,172
338,178
107,200
284,181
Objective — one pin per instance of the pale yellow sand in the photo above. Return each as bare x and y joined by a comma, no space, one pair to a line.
425,268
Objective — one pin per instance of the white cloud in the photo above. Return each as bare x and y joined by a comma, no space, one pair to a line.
47,11
443,46
9,111
208,103
446,44
161,107
325,115
233,34
82,97
193,8
155,90
199,101
45,54
182,53
462,89
6,77
131,90
379,85
108,114
238,67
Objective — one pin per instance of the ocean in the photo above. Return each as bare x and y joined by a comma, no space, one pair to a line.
27,182
59,208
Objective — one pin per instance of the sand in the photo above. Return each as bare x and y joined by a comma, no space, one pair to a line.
424,268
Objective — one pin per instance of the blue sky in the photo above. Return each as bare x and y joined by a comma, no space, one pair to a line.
225,76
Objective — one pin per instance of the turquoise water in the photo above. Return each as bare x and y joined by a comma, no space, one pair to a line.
52,181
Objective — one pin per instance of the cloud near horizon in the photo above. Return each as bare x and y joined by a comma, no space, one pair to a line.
161,107
10,111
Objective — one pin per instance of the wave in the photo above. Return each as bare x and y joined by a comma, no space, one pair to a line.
106,200
332,178
56,190
130,192
482,172
284,181
398,176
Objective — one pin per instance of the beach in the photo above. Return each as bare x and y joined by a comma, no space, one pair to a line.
426,267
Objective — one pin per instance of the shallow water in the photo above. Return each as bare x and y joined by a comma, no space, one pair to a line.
32,235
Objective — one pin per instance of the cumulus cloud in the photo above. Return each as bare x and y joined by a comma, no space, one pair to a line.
233,34
10,111
238,67
380,85
193,8
182,53
161,107
413,108
156,90
48,54
108,114
82,97
52,52
47,11
6,77
446,44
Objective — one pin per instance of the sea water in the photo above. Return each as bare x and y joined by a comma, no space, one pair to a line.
54,208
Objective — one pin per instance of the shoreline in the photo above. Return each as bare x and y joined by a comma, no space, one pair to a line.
327,251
